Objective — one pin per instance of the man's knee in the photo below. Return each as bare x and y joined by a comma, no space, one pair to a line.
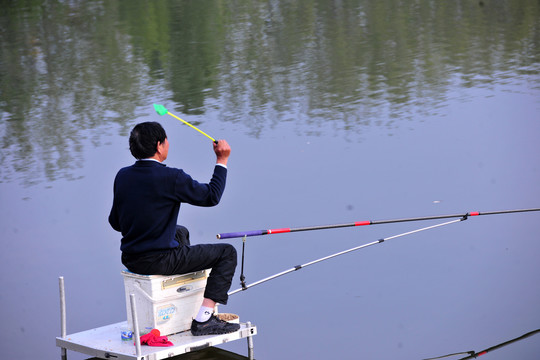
229,252
182,235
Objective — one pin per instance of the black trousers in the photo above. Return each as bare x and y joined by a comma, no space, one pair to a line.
186,258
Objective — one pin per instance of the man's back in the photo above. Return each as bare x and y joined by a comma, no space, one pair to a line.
147,198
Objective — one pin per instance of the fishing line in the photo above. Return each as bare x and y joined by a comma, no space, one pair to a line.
474,355
363,223
298,267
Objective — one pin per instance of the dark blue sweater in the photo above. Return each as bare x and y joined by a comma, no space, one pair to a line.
147,198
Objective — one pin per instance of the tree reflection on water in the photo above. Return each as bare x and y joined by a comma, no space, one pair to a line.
73,72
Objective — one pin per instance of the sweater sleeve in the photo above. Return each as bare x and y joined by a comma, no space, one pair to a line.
192,192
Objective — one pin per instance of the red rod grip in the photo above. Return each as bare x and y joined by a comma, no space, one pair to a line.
279,231
361,223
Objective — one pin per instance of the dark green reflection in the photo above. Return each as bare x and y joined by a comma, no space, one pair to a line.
73,72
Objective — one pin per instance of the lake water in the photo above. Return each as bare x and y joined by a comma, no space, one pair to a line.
336,111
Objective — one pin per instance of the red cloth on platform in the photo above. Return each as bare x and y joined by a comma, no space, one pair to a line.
153,338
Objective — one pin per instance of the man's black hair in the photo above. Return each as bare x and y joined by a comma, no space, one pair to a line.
144,139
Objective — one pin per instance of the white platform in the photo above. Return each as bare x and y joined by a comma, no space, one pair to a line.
105,343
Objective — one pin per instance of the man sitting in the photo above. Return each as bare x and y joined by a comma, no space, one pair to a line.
146,203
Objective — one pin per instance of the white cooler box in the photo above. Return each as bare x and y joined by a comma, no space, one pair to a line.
165,302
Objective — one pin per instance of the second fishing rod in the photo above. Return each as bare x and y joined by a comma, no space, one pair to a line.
328,257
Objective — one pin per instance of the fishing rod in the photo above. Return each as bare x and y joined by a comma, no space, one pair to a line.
363,223
161,110
474,354
298,267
